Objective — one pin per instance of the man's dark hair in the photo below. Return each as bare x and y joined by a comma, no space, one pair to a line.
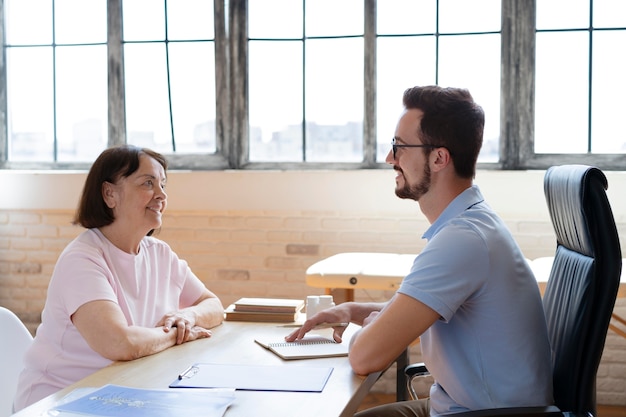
452,120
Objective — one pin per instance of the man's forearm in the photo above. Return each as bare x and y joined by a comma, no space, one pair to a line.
360,311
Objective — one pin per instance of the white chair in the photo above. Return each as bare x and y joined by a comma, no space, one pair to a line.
16,340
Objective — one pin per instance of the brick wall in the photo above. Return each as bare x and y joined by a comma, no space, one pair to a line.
254,233
261,253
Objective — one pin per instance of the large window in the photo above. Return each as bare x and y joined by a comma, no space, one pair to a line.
56,80
432,42
169,74
306,80
579,75
220,84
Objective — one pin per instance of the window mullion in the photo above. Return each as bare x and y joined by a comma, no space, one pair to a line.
223,126
517,105
238,40
590,92
4,139
369,111
116,104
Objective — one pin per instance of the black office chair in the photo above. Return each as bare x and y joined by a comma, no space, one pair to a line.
581,291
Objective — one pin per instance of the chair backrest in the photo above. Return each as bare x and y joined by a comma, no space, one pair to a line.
584,281
16,339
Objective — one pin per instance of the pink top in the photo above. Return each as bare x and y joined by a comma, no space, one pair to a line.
145,286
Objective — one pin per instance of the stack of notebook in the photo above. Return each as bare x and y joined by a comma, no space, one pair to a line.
280,310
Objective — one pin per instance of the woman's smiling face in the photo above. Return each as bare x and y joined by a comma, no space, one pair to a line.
140,199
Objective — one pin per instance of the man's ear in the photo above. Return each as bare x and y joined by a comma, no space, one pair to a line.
440,158
108,194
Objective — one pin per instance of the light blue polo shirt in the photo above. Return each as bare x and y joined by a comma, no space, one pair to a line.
490,347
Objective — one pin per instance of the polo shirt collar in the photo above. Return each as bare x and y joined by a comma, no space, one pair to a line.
468,198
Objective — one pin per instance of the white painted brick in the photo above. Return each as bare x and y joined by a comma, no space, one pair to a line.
246,253
360,236
12,230
378,224
252,261
248,235
320,236
284,236
23,217
58,219
26,244
340,224
184,221
264,223
302,223
227,222
42,231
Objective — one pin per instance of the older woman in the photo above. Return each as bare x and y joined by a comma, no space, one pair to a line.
116,292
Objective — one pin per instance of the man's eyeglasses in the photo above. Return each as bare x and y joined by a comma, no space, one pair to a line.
394,147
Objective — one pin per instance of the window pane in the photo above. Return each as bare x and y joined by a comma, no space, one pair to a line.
562,88
609,13
275,101
81,88
562,14
417,67
189,19
608,107
264,22
30,104
334,18
147,109
454,16
334,100
473,62
397,17
23,27
192,74
144,20
80,21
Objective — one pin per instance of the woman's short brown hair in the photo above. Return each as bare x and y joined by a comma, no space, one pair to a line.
112,164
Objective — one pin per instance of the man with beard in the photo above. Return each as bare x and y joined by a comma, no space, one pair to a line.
470,296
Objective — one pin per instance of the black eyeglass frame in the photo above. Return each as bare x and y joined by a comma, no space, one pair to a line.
394,147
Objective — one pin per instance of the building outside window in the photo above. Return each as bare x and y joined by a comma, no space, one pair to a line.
219,84
579,77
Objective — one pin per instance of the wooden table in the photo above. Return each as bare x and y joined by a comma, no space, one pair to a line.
385,271
381,271
233,343
351,270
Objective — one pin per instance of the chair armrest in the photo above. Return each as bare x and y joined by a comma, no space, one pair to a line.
545,411
415,370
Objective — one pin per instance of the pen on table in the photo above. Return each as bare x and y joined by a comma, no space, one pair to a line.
185,373
319,326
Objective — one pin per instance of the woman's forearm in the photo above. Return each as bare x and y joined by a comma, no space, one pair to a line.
209,312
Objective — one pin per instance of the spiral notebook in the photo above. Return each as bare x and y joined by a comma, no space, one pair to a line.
310,347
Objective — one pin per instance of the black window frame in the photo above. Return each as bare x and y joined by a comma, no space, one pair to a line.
517,96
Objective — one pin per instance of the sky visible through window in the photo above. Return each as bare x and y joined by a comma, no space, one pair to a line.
563,77
80,76
301,69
